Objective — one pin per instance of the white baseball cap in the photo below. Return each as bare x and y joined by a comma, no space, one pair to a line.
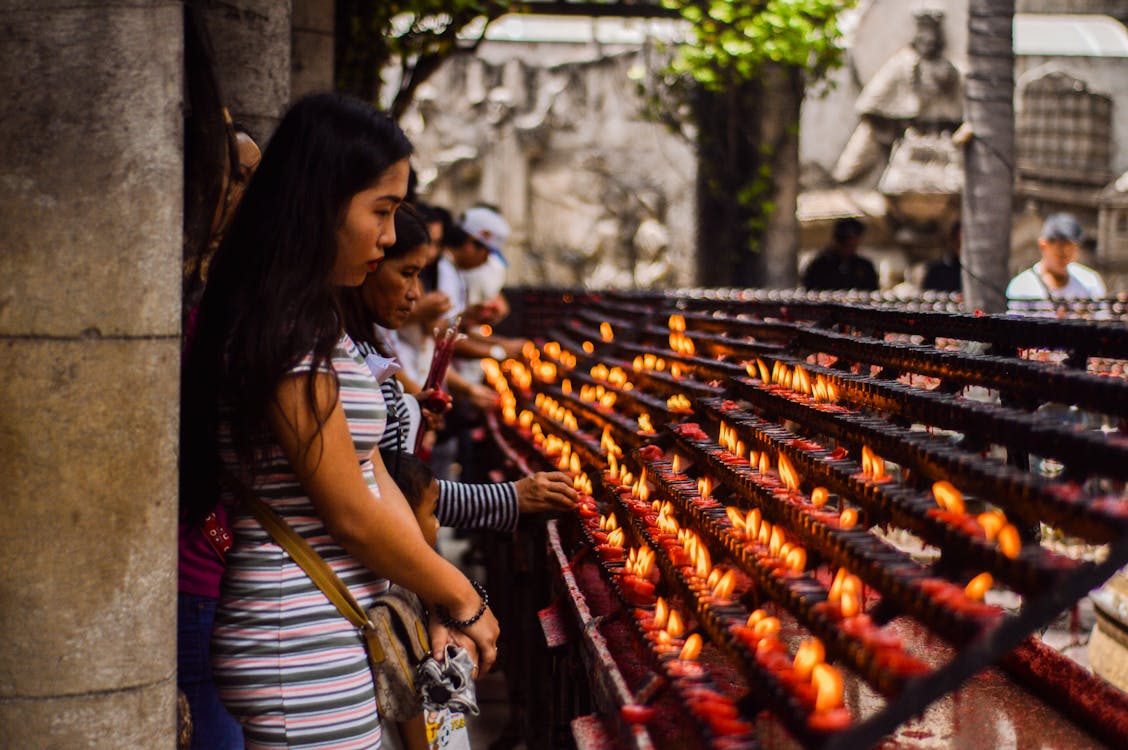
488,227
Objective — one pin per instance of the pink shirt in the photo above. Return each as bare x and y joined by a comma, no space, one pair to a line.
199,568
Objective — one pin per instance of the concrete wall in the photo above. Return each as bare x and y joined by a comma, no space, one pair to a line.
251,41
311,44
90,232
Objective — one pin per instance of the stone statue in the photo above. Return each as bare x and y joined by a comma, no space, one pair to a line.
917,87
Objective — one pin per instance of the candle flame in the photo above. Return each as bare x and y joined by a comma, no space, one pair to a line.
848,518
775,541
849,604
588,347
796,559
765,463
705,487
765,627
836,585
765,377
726,585
674,625
948,497
819,496
676,463
606,332
703,564
752,523
644,424
691,648
977,587
991,521
616,538
678,402
828,686
735,518
661,612
755,616
677,322
801,381
1010,543
787,473
810,653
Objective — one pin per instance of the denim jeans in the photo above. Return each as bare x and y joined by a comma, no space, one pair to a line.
213,728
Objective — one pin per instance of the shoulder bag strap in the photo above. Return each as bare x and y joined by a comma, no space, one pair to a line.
301,553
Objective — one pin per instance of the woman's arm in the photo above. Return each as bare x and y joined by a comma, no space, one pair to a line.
378,530
497,506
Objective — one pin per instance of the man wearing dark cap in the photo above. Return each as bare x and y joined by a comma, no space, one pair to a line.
1057,275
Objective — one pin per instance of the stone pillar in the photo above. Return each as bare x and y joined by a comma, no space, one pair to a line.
311,40
90,234
251,43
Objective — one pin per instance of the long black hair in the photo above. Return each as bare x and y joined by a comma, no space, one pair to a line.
411,232
270,298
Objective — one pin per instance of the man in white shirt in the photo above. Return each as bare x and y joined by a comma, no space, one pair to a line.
1057,276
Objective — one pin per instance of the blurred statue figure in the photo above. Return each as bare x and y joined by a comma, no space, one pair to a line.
917,87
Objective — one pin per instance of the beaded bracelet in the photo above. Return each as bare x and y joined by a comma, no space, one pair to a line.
450,622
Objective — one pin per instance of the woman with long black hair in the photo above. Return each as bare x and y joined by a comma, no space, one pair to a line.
276,393
374,313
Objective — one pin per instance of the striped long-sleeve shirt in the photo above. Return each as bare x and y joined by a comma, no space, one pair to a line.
462,506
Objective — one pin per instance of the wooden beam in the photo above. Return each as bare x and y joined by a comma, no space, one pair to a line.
596,9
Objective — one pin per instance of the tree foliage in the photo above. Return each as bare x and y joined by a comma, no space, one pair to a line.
731,40
738,56
416,36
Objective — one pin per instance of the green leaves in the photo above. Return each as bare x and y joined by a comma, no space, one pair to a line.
733,39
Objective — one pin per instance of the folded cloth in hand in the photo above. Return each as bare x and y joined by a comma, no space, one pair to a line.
447,683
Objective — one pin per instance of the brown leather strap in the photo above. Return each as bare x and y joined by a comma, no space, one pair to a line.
307,559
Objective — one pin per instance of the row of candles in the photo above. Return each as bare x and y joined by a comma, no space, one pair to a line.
784,488
818,683
717,583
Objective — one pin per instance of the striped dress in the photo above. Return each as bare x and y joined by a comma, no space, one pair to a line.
287,663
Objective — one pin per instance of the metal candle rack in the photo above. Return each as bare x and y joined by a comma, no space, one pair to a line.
864,356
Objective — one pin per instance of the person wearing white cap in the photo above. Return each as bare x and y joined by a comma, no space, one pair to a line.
482,264
1058,275
476,250
474,246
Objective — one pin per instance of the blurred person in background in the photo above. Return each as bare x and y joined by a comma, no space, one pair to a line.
1058,275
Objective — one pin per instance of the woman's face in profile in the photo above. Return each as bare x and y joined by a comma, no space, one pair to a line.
391,290
368,226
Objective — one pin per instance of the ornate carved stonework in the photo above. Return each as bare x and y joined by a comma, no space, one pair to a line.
1063,132
596,194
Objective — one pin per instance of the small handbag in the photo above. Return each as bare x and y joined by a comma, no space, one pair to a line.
394,628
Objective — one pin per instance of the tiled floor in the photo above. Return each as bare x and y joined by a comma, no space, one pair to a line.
488,729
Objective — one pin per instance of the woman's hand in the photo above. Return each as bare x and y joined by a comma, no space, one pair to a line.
546,490
483,397
430,307
442,636
434,400
484,634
